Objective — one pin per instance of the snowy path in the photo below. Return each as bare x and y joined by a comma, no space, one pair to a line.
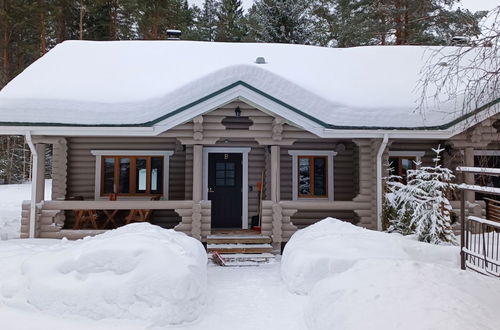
250,298
239,298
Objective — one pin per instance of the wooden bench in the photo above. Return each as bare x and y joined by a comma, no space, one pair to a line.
492,209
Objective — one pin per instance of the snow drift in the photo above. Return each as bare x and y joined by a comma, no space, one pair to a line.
333,246
11,197
400,294
139,271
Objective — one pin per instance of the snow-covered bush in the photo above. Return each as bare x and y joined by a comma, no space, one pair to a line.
401,294
420,206
333,246
139,271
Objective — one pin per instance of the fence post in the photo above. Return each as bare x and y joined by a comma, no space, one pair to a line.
462,229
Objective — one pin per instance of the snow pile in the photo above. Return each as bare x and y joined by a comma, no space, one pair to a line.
333,246
11,197
139,271
398,294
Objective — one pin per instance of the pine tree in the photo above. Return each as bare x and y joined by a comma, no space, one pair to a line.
346,23
230,23
281,21
206,22
155,17
108,19
424,22
421,207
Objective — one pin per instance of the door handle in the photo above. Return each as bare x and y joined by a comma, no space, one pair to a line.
210,190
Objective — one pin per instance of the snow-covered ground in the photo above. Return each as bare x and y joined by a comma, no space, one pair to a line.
136,272
238,298
11,197
143,277
401,294
391,281
331,247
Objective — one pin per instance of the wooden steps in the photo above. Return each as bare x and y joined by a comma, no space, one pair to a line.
238,239
241,249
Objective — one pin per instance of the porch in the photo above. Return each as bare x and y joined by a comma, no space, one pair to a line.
233,163
188,196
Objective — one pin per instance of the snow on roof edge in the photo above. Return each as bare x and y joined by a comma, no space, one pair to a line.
263,79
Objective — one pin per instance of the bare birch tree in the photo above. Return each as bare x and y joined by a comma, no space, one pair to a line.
468,74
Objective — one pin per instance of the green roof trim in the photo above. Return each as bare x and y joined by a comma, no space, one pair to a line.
272,98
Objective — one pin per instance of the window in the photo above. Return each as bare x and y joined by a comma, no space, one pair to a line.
399,165
402,161
312,174
224,174
131,172
132,175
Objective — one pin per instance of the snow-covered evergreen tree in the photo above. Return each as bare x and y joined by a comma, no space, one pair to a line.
421,207
282,21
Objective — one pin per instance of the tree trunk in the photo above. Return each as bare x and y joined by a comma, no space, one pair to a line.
113,28
5,53
61,23
82,15
399,24
43,31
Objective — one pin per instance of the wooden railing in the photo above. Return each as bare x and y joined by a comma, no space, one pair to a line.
195,216
115,205
480,238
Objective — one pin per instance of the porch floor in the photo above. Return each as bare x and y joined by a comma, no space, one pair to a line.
234,231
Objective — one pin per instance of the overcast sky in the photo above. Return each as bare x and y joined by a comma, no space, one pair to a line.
473,5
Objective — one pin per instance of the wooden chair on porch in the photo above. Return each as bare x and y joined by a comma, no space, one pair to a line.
84,218
140,215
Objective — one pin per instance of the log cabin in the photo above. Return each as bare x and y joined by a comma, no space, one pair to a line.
211,136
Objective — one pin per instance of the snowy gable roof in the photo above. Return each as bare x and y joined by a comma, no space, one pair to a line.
145,82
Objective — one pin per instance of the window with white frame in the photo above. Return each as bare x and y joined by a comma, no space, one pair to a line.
131,173
312,174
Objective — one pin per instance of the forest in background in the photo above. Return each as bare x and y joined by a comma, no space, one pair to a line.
30,28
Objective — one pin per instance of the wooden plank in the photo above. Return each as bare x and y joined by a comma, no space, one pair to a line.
116,205
480,189
241,250
239,240
479,170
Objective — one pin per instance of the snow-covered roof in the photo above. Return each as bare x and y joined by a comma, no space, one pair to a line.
145,82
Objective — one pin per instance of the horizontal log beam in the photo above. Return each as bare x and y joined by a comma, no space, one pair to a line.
120,205
320,205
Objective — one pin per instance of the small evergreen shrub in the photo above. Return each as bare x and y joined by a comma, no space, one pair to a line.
421,207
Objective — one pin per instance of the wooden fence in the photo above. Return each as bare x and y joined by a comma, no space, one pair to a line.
480,238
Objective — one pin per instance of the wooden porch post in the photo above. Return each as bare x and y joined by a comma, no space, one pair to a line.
37,183
40,179
468,177
275,174
197,172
